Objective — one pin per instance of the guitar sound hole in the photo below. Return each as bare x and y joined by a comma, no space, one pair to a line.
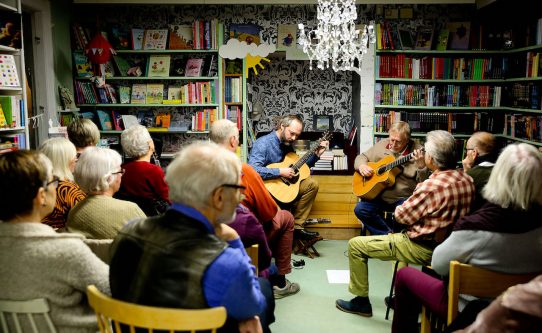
380,171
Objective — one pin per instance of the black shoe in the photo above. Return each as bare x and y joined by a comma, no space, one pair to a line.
299,264
390,302
357,305
304,234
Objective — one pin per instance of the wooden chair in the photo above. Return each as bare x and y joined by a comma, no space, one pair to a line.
252,252
471,280
111,313
35,311
306,247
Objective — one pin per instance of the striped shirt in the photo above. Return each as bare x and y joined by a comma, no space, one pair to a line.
436,204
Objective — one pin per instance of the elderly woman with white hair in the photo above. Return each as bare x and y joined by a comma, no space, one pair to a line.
100,216
143,182
63,155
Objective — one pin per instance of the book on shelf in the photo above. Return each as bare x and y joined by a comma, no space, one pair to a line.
158,65
180,121
163,119
105,121
124,94
174,93
405,37
442,40
424,38
80,37
120,38
181,37
83,67
10,29
193,67
3,120
177,66
122,65
139,93
129,120
117,120
137,39
460,33
155,93
9,76
146,118
109,69
210,66
155,39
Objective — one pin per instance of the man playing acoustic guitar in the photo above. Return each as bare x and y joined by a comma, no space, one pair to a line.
272,148
397,148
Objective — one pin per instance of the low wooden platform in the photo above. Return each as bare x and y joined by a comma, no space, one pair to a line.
336,202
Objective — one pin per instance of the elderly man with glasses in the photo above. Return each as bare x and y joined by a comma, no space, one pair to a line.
189,257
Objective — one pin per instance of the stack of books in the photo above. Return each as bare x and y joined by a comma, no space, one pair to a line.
325,162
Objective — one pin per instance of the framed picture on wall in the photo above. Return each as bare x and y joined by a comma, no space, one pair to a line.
323,123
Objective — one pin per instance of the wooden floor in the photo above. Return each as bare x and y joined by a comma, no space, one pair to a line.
336,202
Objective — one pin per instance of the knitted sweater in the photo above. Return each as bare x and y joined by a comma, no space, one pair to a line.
101,217
37,262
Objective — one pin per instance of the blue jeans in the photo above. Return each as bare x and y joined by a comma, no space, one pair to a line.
369,212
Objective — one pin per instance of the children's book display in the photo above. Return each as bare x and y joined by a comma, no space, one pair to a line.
181,37
155,93
158,65
193,67
460,32
139,93
155,39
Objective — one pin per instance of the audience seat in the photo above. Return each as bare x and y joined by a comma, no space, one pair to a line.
23,316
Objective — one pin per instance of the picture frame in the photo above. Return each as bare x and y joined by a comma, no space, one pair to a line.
322,123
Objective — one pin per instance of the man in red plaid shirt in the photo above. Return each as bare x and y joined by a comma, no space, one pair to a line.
428,215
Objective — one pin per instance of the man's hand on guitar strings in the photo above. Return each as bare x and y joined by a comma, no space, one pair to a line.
418,157
365,170
287,172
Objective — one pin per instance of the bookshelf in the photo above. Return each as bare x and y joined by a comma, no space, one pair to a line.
13,115
460,91
185,87
234,97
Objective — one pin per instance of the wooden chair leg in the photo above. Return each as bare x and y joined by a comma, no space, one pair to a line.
388,306
306,247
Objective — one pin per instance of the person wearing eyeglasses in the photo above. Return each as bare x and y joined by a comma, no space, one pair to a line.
62,154
480,156
189,257
278,224
37,262
143,182
100,216
398,144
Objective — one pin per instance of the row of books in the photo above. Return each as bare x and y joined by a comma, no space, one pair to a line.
442,95
523,126
332,160
13,142
233,87
532,67
525,95
11,112
461,123
200,35
199,92
440,68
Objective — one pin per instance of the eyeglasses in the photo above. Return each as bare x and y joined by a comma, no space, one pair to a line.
54,181
121,172
241,188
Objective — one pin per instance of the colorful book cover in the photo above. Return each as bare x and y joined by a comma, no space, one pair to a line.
8,71
137,39
139,93
424,38
405,37
442,40
286,37
155,39
249,33
158,65
83,67
460,32
124,94
117,120
178,66
105,120
122,65
146,118
129,120
174,93
120,38
163,119
109,69
10,29
181,37
193,67
155,93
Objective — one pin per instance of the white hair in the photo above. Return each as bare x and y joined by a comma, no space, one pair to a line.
94,170
198,169
222,130
135,141
441,146
61,152
515,180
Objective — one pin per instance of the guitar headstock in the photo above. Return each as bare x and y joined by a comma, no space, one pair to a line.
326,136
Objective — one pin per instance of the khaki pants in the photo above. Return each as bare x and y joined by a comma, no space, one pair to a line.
302,205
388,247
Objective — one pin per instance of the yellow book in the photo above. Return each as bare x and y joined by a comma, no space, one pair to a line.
3,122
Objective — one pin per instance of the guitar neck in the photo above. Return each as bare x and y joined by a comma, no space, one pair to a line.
304,158
399,161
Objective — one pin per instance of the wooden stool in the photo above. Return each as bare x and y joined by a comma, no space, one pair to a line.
306,247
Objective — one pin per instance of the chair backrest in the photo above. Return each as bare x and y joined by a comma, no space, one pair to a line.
100,247
14,314
252,252
478,282
112,313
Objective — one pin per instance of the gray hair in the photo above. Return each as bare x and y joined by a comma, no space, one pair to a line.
198,170
94,170
515,180
135,141
441,146
61,152
288,120
222,130
401,127
485,142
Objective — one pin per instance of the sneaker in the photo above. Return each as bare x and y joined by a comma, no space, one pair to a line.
298,264
289,289
357,305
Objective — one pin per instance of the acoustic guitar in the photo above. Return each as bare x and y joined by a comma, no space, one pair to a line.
385,172
286,189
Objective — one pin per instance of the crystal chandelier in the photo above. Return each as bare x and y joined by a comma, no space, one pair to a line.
335,42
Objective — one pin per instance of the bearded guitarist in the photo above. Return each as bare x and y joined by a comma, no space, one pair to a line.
273,148
397,145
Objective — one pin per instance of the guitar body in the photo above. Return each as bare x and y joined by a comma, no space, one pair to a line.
370,188
286,190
